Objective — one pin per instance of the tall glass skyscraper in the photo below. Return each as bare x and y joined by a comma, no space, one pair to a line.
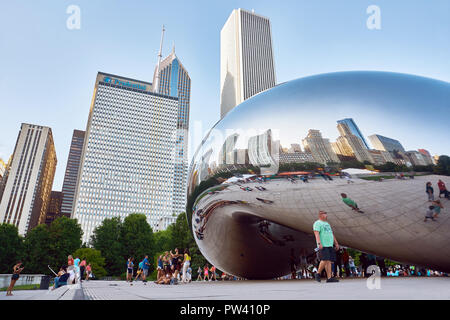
354,129
127,159
246,58
174,81
71,175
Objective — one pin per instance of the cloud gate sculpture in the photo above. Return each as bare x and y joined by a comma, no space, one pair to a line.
262,173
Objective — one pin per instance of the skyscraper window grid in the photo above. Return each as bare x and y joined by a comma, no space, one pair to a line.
127,164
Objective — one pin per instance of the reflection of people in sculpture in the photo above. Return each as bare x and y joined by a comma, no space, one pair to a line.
443,189
293,264
437,207
352,204
327,243
264,200
430,192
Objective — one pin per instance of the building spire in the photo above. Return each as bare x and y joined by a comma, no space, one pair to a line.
156,84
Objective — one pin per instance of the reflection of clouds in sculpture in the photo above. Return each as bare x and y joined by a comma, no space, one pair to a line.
230,219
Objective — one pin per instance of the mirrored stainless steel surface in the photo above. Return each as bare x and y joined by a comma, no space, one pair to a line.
258,180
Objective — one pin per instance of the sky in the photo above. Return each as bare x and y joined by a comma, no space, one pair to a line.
47,71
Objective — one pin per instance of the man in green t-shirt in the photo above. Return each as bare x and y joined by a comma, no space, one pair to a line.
327,244
352,204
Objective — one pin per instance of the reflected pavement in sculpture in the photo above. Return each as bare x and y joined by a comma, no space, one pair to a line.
248,208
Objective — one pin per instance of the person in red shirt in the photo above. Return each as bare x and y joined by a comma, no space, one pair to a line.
443,189
205,272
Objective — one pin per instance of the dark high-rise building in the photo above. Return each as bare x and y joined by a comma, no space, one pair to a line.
54,207
71,175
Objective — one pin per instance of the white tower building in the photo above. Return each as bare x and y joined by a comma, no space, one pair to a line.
246,58
127,164
27,190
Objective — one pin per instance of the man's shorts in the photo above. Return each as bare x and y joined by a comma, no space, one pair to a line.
327,254
145,272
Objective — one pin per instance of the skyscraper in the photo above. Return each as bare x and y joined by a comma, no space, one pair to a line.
246,58
27,191
54,207
380,142
4,172
127,161
71,175
174,81
426,155
319,147
350,144
2,168
354,130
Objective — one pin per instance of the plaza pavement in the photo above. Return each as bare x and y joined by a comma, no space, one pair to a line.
408,288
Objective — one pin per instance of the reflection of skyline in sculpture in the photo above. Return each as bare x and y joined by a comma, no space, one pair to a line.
319,147
263,151
353,129
236,237
351,145
386,144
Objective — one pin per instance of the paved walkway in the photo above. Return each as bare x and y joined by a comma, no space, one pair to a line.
354,289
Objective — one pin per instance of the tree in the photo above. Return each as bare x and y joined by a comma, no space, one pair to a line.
352,164
107,239
163,240
38,251
182,238
94,257
137,238
11,247
443,166
65,238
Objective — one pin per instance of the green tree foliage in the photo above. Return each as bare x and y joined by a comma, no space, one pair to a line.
164,241
38,251
65,237
107,239
11,247
443,166
353,164
93,257
137,238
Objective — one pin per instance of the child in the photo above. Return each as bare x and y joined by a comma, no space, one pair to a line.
199,271
189,274
429,214
437,207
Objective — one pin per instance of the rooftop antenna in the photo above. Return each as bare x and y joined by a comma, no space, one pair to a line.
156,84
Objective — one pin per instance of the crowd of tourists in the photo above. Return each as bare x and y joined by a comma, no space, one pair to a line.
74,272
435,207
